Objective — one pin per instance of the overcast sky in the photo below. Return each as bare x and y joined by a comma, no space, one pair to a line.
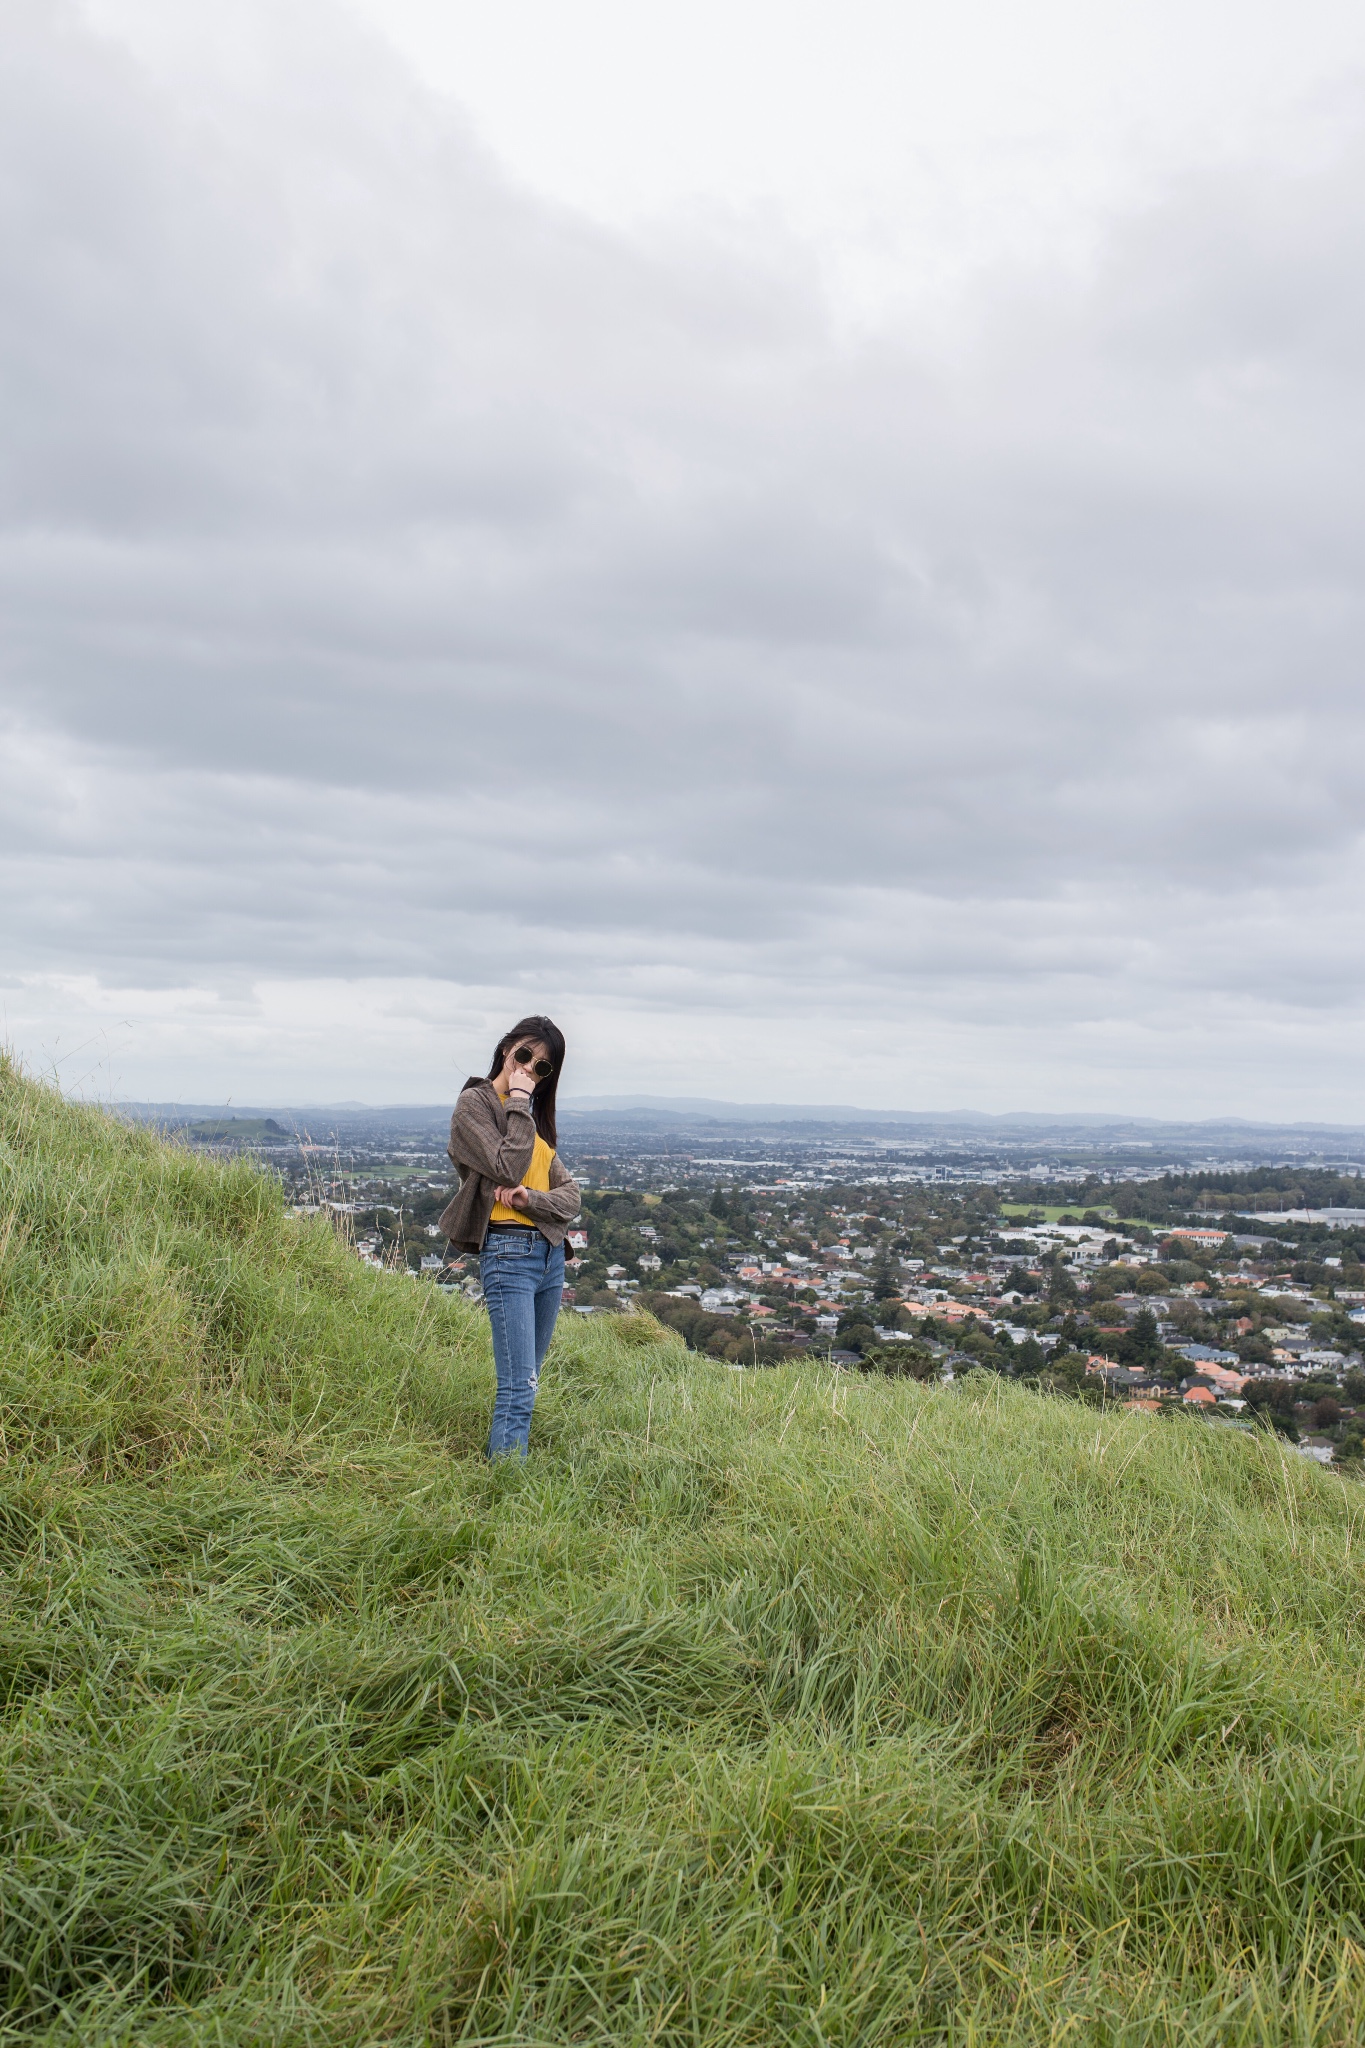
819,543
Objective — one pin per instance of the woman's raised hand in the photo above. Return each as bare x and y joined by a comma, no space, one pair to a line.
515,1078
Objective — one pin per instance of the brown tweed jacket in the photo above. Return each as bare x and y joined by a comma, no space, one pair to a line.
491,1142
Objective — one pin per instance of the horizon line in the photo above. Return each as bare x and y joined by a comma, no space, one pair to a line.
715,1107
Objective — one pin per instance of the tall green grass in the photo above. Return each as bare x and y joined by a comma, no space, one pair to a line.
755,1708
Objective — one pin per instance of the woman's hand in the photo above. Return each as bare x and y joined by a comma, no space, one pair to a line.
514,1079
512,1198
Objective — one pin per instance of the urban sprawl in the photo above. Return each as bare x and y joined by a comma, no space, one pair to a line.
1226,1291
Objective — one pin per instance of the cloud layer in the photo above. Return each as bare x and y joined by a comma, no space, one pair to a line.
418,599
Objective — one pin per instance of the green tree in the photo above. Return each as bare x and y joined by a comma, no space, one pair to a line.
1061,1288
1272,1403
979,1346
1065,1372
885,1285
855,1331
1030,1358
1142,1345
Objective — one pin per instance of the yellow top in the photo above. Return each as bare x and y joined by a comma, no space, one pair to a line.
537,1175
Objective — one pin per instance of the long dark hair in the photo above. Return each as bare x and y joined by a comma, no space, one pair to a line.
537,1031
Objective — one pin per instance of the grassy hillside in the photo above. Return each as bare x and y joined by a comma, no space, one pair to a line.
757,1708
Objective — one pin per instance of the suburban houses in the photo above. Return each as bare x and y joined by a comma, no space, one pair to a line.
1235,1296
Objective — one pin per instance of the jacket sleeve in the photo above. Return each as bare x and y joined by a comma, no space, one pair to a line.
477,1143
563,1201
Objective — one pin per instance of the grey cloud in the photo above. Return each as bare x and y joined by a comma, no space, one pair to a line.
376,538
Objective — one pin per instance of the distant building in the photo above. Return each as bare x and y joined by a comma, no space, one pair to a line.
1335,1219
1222,1368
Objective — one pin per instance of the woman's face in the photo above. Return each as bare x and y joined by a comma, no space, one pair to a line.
513,1066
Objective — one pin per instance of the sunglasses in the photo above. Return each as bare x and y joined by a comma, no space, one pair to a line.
541,1068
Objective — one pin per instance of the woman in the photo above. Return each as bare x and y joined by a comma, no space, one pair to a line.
515,1203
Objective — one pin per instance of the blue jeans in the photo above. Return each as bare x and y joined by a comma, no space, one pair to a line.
523,1277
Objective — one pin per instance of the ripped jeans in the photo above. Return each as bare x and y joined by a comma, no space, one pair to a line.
523,1277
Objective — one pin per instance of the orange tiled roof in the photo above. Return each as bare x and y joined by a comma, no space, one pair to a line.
953,1310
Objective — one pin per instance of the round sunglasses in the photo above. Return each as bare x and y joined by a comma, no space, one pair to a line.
542,1069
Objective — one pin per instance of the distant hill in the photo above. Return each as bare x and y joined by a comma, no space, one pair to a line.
976,1123
236,1130
780,1706
703,1113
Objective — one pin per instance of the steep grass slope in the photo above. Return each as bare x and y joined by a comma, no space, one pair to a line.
757,1708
